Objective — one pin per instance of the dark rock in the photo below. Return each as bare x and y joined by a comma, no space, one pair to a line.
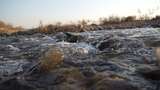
155,25
14,84
9,40
108,84
61,36
107,68
69,37
73,38
119,44
152,75
107,44
88,72
153,42
144,68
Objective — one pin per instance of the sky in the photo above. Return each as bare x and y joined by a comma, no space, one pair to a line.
28,13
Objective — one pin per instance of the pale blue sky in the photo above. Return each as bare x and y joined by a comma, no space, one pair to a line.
28,13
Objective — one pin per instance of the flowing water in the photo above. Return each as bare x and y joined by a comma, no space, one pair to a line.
123,53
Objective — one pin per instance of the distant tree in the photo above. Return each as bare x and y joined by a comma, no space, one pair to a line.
114,19
103,21
157,17
58,24
83,23
19,28
129,18
41,27
2,24
144,17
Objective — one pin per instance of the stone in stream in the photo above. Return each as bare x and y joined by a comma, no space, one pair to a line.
153,75
9,40
9,68
153,43
119,44
69,37
154,72
14,84
109,84
109,81
73,37
144,68
11,47
116,46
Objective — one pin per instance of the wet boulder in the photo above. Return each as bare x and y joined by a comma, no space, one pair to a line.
69,37
9,40
9,68
14,84
61,36
108,84
119,44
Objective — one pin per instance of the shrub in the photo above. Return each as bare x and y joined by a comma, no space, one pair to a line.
114,19
129,18
103,21
7,28
110,20
51,59
156,18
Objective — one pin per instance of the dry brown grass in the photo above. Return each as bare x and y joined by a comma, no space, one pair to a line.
7,28
51,59
8,31
84,25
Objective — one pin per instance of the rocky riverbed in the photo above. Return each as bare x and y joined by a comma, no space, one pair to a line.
95,60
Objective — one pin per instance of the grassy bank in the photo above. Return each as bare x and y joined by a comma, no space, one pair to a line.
112,22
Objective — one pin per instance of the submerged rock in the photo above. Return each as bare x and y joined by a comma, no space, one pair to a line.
8,68
157,53
108,84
